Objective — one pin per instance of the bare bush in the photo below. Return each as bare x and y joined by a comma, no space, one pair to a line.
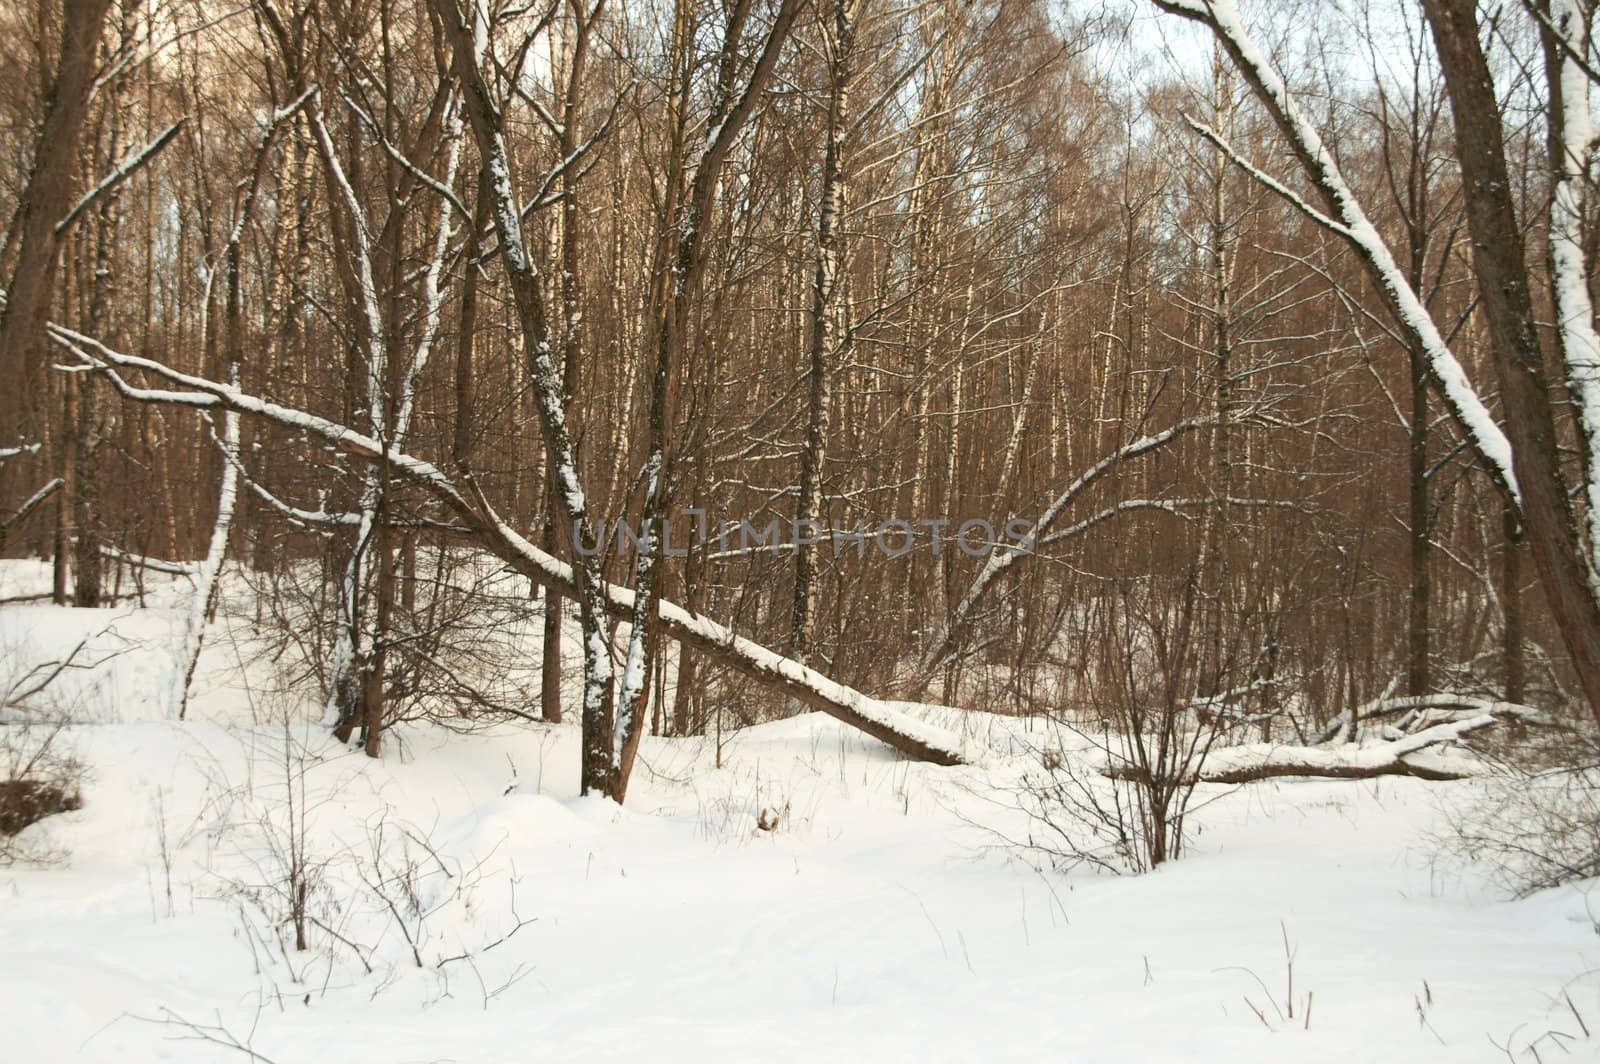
39,775
1076,815
459,640
317,891
38,778
1155,698
1534,829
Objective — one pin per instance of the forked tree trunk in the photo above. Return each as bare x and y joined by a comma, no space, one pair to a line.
734,104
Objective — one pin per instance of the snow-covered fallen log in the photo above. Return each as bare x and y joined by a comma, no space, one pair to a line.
1402,757
881,720
154,565
482,525
1412,711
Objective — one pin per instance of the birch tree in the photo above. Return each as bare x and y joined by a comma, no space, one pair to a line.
838,42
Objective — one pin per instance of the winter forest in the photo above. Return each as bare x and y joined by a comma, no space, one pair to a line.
799,529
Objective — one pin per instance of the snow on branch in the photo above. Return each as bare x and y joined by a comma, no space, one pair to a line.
1322,170
1411,710
8,453
124,170
32,503
201,393
1563,37
439,188
1042,531
143,561
1264,179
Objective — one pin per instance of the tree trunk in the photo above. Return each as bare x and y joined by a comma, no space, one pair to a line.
550,650
1499,261
1418,620
1511,605
825,320
45,200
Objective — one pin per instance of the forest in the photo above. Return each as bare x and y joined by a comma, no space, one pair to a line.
487,486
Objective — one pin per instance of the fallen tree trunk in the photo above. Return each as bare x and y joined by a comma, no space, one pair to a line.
154,565
483,526
1410,708
721,644
1260,761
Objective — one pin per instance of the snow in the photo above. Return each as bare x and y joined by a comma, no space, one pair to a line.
108,676
881,920
1278,759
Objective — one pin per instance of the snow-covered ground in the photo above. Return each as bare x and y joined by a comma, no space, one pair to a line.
878,921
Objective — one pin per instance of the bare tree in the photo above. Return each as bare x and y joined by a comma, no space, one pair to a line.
1525,457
